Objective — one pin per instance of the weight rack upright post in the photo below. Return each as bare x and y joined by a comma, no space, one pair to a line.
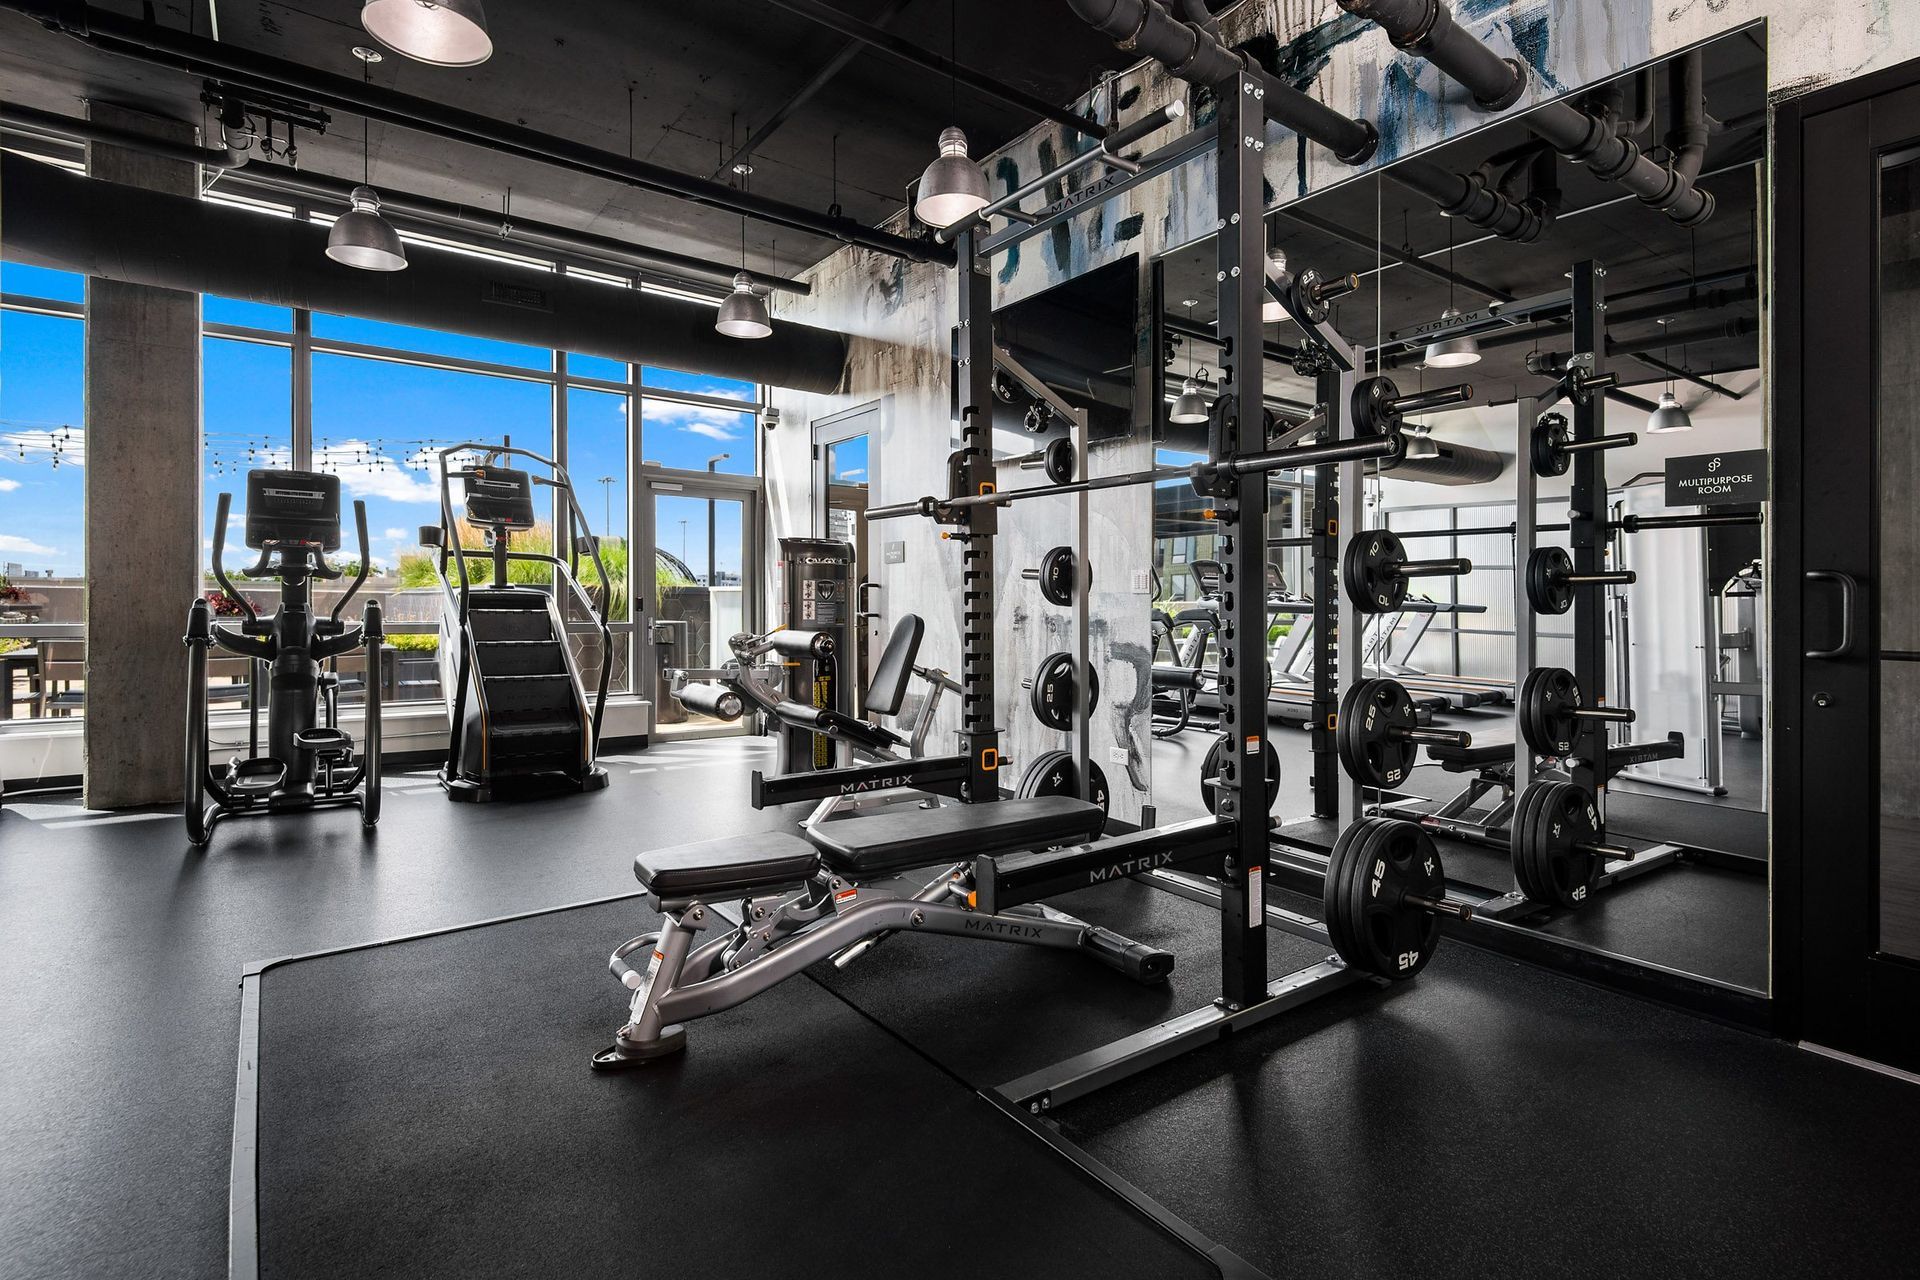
1526,510
1587,519
979,738
1239,428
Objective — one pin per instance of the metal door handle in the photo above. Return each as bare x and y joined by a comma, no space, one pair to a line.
866,587
1848,590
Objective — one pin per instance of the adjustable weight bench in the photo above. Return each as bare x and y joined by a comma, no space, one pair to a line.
805,898
1491,764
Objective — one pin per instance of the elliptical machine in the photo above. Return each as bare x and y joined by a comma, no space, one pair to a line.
293,521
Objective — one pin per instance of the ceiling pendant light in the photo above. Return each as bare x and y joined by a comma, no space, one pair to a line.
363,238
952,188
744,313
1420,444
1457,352
1670,415
1452,353
1191,406
1271,312
441,33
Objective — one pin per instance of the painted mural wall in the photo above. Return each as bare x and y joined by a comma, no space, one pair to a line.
901,316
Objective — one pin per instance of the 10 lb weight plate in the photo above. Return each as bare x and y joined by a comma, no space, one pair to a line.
1212,762
1371,570
1548,590
1051,692
1056,575
1052,774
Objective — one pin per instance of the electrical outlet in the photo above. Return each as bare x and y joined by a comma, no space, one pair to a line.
1141,584
1119,756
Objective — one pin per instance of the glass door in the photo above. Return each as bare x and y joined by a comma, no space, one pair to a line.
704,590
845,462
1850,412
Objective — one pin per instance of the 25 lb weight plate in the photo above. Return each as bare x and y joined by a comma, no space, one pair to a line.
1548,698
1375,755
1051,691
1377,865
1213,761
1052,774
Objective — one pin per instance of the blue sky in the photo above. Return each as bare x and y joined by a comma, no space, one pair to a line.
375,422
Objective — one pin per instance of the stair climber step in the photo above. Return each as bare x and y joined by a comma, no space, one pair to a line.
520,658
509,624
521,598
534,747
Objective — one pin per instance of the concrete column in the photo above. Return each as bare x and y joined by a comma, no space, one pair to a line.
143,501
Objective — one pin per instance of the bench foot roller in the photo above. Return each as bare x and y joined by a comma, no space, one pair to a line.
1137,960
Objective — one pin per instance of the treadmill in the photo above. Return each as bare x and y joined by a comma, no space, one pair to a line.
1460,692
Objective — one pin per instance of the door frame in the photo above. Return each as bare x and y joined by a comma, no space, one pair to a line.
831,430
1824,934
750,491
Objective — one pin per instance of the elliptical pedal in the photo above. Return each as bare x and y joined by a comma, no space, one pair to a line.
256,775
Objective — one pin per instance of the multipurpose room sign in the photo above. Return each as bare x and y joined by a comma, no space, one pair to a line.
1717,479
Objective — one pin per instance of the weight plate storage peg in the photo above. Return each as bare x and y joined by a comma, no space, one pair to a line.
1052,774
1051,690
1552,445
1210,766
1550,711
1056,575
1379,734
1385,891
1555,844
1551,580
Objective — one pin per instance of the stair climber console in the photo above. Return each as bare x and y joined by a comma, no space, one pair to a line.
519,713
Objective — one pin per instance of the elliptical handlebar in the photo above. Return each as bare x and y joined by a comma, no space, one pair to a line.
360,530
220,569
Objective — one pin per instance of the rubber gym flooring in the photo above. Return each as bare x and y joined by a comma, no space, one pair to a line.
1487,1119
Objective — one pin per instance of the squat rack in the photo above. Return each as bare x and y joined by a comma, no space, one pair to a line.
1232,846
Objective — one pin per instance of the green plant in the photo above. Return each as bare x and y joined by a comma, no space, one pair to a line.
412,642
417,567
9,643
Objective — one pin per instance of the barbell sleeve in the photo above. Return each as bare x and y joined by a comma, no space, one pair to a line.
1614,578
1616,715
1600,849
1324,291
1703,520
1439,737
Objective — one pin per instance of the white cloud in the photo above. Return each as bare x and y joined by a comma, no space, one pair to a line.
394,533
8,486
711,430
366,472
25,546
696,419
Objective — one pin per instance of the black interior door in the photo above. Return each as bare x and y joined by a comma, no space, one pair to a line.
1847,350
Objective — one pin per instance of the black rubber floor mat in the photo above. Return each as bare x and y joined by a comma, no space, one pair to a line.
425,1109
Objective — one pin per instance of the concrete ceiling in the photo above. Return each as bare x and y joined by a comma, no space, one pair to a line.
699,74
1639,247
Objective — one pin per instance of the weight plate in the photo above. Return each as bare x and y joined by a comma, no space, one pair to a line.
1210,765
1057,575
1547,587
1052,774
1520,841
1370,571
1373,719
1051,692
1382,863
1548,698
1550,436
1059,460
1563,817
1372,407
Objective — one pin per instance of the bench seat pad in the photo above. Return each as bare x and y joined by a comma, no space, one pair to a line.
1477,756
880,844
731,864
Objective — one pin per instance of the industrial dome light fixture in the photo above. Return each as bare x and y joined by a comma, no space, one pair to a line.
1455,352
1271,312
362,238
1420,444
440,33
1191,406
744,313
1671,415
952,188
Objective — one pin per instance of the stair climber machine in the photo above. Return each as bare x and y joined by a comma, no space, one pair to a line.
293,521
517,709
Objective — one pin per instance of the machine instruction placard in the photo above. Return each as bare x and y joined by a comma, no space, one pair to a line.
1717,479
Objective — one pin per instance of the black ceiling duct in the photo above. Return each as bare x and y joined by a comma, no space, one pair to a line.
114,232
1453,464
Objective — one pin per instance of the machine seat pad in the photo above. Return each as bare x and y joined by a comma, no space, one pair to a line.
729,865
1478,756
880,844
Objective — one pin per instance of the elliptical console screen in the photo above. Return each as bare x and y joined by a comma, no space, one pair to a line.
293,506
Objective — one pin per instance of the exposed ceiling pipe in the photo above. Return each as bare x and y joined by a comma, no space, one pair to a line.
1452,464
77,129
111,231
165,46
1195,54
886,42
1426,29
1491,333
1687,139
432,216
